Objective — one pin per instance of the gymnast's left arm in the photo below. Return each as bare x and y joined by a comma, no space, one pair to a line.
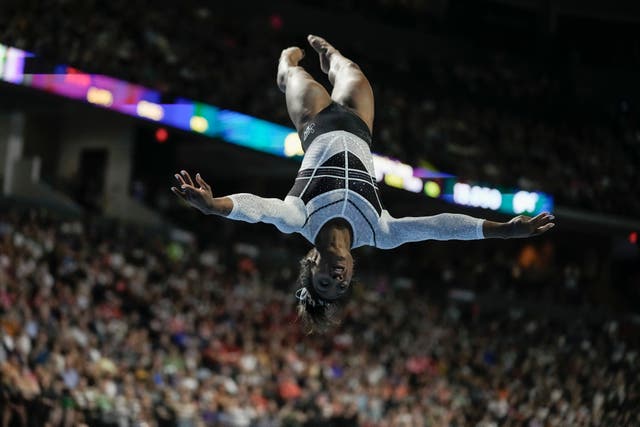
396,231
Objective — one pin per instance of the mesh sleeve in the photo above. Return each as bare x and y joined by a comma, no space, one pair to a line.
396,231
284,214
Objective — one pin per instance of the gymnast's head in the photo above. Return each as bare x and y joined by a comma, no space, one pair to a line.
324,287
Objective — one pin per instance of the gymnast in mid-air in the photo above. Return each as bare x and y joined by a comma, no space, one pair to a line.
334,202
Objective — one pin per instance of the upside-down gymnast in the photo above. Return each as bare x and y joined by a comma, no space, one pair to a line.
334,202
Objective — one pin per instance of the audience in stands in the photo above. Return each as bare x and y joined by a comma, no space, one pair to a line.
102,325
105,326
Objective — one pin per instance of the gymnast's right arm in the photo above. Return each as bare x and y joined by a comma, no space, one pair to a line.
201,197
242,207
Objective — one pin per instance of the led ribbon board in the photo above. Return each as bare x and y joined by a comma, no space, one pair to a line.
251,132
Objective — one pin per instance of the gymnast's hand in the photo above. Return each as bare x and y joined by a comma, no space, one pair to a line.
199,197
525,226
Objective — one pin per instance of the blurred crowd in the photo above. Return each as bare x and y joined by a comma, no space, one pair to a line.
486,115
105,325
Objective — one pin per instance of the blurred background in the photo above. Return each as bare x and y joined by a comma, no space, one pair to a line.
120,306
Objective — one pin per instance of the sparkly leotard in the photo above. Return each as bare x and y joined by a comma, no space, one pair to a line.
337,180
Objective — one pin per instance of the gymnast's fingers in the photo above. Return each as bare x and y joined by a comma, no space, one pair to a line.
187,177
179,193
179,179
542,219
536,219
202,183
545,228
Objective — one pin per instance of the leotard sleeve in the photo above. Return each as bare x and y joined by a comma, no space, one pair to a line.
394,232
287,215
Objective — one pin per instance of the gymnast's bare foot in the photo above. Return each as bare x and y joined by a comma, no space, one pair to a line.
292,55
324,49
288,58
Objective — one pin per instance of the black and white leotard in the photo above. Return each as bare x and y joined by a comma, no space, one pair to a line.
337,180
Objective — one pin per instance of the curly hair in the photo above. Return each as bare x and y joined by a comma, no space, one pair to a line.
318,315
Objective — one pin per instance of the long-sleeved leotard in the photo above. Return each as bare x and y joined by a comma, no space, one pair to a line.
337,179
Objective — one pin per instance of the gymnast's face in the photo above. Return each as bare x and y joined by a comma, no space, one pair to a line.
332,273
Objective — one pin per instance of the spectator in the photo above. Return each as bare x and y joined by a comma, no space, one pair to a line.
181,341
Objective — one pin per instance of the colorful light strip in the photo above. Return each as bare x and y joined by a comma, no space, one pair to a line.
248,131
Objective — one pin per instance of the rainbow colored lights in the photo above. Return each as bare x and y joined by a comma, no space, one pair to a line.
251,132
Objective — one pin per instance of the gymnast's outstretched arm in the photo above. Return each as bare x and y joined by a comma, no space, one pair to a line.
396,231
284,214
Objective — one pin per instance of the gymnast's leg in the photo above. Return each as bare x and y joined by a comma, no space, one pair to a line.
305,96
350,86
